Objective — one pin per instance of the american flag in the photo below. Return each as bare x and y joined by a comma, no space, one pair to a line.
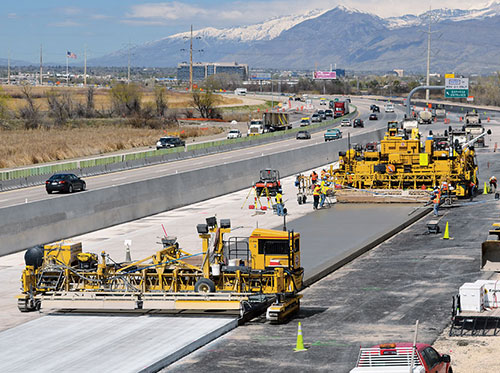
71,55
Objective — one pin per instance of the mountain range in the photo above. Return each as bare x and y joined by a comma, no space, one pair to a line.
462,41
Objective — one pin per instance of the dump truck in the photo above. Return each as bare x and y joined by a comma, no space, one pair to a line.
473,129
439,112
233,274
472,117
256,127
276,121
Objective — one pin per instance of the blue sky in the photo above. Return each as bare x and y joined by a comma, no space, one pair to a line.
107,25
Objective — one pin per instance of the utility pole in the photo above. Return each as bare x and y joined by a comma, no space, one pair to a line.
67,70
8,68
85,66
191,61
428,56
128,70
41,65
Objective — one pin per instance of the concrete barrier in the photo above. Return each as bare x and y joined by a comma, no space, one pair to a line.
44,221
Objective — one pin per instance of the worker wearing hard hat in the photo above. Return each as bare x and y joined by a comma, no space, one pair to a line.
493,184
316,194
436,199
324,190
279,204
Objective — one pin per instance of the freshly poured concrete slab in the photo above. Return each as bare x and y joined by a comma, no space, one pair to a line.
83,343
330,233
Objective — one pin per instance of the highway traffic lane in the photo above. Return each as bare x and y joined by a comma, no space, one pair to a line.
37,193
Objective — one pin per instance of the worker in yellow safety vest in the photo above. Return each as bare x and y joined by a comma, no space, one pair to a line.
316,194
324,190
279,204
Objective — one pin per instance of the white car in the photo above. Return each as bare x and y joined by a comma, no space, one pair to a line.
234,134
389,108
345,123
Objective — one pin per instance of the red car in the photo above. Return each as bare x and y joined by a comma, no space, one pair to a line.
397,357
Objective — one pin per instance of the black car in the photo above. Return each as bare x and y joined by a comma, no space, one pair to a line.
329,113
303,135
375,109
358,123
68,183
169,142
322,114
373,116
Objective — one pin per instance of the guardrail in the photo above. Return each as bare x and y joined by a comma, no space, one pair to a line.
19,178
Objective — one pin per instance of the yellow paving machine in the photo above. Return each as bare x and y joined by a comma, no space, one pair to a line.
402,161
238,275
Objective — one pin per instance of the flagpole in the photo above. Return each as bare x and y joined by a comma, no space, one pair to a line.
67,70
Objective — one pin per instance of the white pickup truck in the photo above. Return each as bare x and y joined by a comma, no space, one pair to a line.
402,358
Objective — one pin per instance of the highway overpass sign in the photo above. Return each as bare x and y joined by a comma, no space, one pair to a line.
456,88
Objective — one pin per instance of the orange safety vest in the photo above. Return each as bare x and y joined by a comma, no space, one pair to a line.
314,176
438,198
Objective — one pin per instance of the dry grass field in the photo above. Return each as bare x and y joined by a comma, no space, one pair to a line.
26,147
102,97
85,137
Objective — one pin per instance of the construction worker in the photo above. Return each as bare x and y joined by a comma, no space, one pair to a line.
314,177
279,203
324,191
436,199
472,190
445,188
323,174
493,184
316,194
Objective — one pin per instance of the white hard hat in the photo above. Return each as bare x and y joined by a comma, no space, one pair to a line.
234,122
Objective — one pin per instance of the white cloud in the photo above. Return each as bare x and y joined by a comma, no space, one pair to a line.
66,23
167,11
70,11
99,16
12,15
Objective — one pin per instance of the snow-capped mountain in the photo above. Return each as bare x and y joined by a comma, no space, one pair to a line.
444,14
350,38
267,30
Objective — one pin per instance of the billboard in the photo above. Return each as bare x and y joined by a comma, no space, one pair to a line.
260,76
325,75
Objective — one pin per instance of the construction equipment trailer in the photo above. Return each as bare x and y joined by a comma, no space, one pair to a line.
236,275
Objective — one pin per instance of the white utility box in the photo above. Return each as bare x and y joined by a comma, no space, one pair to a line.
471,297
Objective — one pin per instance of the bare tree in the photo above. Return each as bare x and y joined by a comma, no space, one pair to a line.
61,107
90,102
206,103
160,101
31,112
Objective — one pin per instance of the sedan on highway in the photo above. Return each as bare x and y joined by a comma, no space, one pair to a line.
303,135
304,122
234,134
373,116
68,183
322,114
345,122
329,113
316,118
332,134
169,142
358,123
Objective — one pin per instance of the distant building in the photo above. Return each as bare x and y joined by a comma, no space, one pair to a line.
400,72
340,72
202,70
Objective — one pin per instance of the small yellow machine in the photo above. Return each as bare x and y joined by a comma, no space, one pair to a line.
401,161
239,275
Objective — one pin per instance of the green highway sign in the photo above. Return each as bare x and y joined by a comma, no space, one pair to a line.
456,88
456,93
